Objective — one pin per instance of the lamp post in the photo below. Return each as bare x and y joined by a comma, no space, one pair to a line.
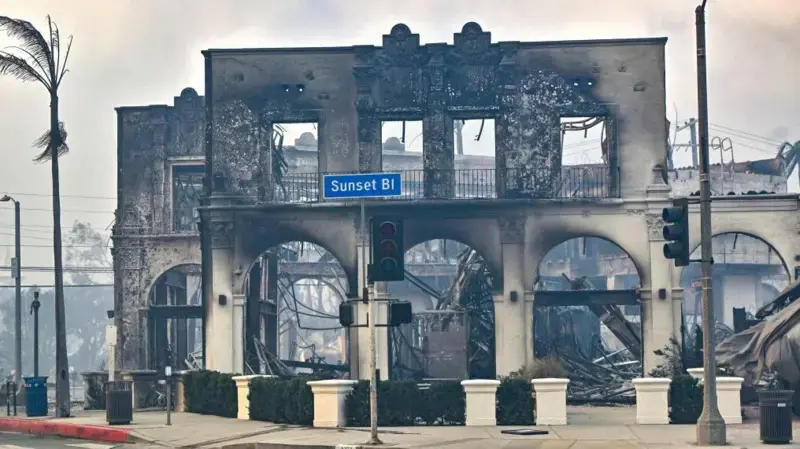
35,311
16,272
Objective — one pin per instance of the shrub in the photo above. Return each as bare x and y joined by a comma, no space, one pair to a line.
402,403
514,402
282,401
210,393
445,404
685,400
543,368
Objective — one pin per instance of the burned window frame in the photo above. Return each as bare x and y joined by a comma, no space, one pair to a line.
194,174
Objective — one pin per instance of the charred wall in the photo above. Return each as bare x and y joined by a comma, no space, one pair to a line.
151,140
526,87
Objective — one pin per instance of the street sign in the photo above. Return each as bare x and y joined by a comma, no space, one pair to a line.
361,185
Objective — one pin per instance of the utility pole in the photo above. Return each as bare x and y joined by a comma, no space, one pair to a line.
710,426
16,269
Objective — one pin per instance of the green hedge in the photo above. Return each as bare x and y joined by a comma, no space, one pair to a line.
403,403
685,400
514,402
281,401
210,393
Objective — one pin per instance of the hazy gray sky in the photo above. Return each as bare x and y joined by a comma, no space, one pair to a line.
145,51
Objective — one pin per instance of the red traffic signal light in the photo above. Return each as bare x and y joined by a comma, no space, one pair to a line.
387,249
388,229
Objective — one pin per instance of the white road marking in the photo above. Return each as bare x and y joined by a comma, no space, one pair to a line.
11,446
90,445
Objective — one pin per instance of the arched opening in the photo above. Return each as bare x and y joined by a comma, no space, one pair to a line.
587,315
175,319
747,273
293,292
452,333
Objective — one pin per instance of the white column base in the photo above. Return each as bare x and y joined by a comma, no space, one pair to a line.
329,401
242,393
729,398
652,400
481,402
551,401
697,373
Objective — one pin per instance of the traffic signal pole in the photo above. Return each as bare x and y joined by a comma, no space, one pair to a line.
710,426
371,317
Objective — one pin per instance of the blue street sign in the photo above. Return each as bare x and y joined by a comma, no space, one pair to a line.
361,185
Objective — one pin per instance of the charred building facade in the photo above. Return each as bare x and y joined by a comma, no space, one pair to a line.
206,184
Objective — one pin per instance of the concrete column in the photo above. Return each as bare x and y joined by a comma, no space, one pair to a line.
238,333
511,324
530,326
657,314
242,395
551,401
221,348
329,401
481,400
652,400
658,324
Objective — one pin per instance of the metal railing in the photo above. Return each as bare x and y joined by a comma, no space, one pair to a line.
482,183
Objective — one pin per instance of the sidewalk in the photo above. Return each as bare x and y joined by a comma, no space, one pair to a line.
590,427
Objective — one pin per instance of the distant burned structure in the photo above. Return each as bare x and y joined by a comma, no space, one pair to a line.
223,158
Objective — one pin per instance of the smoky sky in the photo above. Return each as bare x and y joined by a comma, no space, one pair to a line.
145,51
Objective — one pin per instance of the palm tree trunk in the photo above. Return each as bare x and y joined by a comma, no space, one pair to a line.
62,364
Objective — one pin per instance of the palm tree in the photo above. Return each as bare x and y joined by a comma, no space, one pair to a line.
40,58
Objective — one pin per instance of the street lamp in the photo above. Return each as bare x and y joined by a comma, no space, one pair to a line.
35,311
16,272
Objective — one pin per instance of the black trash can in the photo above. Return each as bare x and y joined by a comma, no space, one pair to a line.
36,396
775,415
119,402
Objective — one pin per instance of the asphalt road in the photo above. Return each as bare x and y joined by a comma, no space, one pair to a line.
22,441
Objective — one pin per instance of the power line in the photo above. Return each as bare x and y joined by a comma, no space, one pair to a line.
50,246
87,197
81,211
93,270
46,228
53,286
752,136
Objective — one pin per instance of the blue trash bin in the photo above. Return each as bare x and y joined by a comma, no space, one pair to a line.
36,396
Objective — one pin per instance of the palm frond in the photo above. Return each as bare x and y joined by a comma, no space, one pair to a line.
63,64
45,141
30,39
19,68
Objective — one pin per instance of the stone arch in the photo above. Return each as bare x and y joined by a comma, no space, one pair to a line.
149,288
567,237
695,254
171,340
255,249
162,257
755,279
590,262
283,307
488,249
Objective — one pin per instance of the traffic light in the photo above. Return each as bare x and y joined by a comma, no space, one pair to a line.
387,250
346,318
399,313
676,232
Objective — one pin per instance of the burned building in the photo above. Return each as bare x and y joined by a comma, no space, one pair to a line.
219,157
